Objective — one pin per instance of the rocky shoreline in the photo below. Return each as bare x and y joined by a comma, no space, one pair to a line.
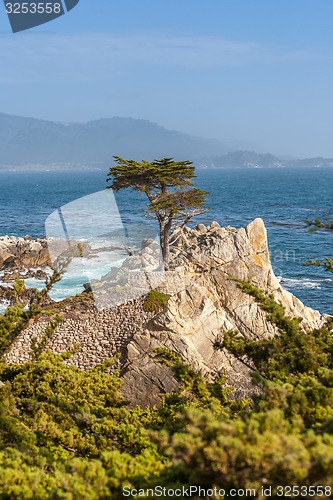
20,259
205,302
24,258
22,253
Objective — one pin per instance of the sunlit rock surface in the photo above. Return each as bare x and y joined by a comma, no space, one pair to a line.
206,302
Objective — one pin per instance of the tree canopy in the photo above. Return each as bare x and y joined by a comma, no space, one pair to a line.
173,201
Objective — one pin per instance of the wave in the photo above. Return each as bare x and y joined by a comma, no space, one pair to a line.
299,283
80,271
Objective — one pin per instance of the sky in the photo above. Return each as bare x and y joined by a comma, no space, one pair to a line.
256,74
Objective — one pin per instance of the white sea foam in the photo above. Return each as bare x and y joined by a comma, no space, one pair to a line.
80,270
95,219
299,283
34,283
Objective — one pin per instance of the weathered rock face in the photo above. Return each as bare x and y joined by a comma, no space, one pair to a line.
19,253
205,302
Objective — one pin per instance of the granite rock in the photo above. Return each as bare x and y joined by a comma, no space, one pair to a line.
206,302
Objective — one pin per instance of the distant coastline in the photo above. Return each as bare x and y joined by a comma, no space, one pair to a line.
51,168
35,145
251,159
214,164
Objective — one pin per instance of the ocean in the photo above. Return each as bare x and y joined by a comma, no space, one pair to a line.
282,197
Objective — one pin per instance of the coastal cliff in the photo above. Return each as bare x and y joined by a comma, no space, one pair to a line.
205,301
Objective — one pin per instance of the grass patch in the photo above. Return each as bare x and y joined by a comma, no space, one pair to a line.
156,301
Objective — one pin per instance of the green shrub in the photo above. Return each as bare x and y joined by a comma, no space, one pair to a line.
156,301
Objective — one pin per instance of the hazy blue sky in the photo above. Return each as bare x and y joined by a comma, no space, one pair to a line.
250,70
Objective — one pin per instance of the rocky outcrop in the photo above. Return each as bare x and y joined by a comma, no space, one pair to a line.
140,272
205,302
17,254
9,295
20,253
21,258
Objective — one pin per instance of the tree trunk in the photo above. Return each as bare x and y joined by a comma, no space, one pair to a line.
164,240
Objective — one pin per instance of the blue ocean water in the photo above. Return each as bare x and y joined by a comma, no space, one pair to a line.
282,197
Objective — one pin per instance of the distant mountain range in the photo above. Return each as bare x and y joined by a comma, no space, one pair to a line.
33,143
252,159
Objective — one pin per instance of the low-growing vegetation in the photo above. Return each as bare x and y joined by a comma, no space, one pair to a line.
156,301
67,433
